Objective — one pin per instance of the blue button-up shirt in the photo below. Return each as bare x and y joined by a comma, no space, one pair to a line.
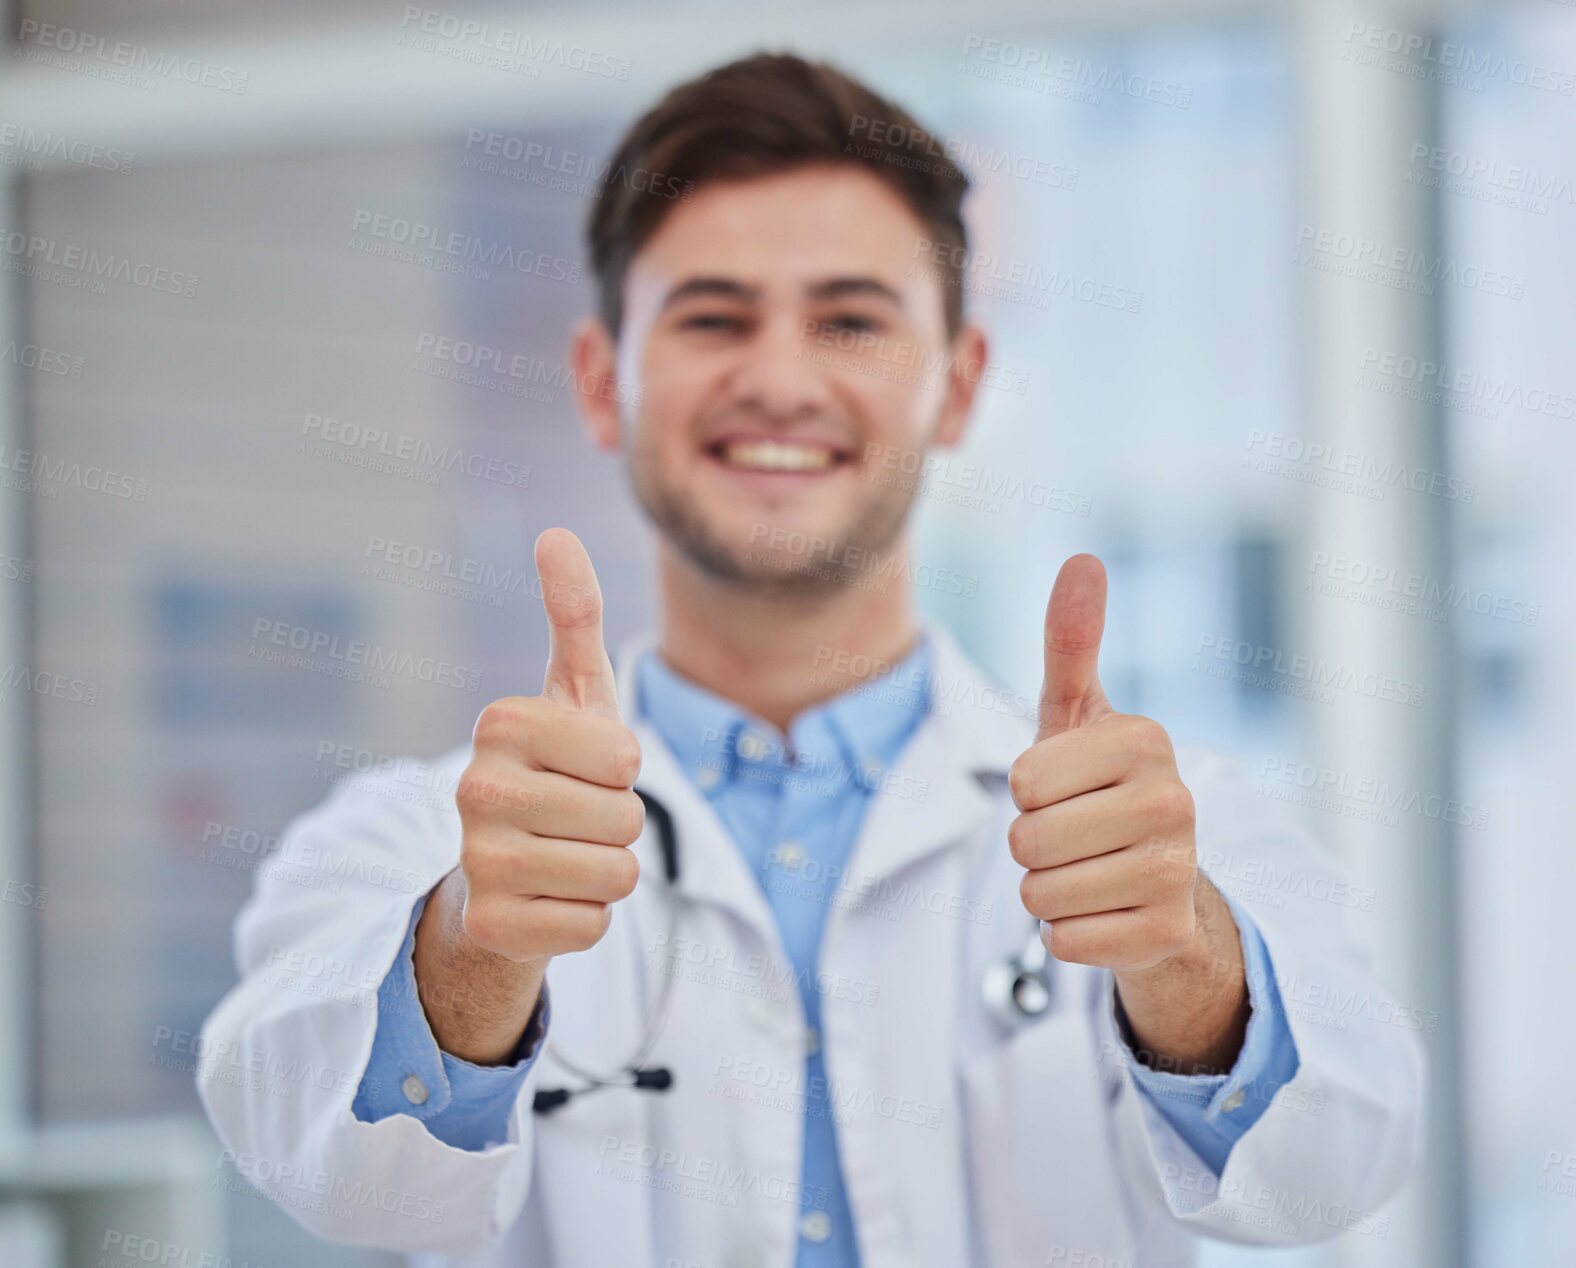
793,804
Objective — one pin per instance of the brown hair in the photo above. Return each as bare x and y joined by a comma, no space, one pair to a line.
755,117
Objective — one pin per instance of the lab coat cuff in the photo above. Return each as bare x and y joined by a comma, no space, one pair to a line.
461,1103
1211,1112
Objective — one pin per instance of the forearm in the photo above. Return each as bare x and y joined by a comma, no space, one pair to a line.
477,1003
1189,1013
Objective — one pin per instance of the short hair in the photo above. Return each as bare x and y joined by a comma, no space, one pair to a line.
764,114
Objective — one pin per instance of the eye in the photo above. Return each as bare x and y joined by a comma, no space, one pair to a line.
712,322
856,322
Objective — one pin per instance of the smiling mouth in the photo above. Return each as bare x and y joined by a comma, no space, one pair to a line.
777,456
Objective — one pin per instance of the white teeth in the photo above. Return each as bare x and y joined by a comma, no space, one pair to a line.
774,455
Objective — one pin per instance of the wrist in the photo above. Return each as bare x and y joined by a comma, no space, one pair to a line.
1189,1013
477,1003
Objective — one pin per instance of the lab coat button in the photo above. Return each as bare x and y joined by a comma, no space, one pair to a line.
815,1226
746,1257
762,1012
812,1041
1233,1102
415,1090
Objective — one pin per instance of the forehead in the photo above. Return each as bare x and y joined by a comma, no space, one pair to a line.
787,227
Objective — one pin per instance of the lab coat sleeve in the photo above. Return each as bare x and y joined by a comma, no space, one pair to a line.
316,940
1338,1139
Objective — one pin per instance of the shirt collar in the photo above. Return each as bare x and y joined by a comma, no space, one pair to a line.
858,733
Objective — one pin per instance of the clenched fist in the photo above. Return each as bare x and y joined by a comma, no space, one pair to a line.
547,810
1106,833
547,802
1107,824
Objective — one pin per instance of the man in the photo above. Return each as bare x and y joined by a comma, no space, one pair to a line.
822,1038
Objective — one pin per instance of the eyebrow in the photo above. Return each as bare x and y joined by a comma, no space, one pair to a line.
830,288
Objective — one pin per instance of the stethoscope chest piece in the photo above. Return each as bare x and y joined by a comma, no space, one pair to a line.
1017,990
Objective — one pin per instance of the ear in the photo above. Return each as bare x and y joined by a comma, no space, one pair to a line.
963,379
593,355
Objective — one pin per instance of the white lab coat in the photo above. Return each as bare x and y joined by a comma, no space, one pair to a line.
962,1142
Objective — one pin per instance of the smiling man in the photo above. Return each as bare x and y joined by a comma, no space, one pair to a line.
803,948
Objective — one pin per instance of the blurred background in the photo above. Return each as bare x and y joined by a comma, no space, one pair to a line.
1287,290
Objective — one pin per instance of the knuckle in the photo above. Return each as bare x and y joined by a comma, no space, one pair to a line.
633,822
480,923
626,758
1031,891
626,873
1020,781
1150,738
1066,944
1020,840
498,721
1173,802
587,926
475,791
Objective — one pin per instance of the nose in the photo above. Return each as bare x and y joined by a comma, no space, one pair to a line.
777,374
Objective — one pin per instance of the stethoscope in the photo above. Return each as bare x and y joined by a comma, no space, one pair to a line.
1016,991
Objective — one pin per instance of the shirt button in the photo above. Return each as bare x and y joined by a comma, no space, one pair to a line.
1233,1102
815,1226
750,746
790,854
415,1090
706,778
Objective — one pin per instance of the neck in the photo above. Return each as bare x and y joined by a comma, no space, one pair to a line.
777,654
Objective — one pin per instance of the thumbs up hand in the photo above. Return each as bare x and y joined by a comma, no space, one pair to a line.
1106,833
547,803
1107,824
